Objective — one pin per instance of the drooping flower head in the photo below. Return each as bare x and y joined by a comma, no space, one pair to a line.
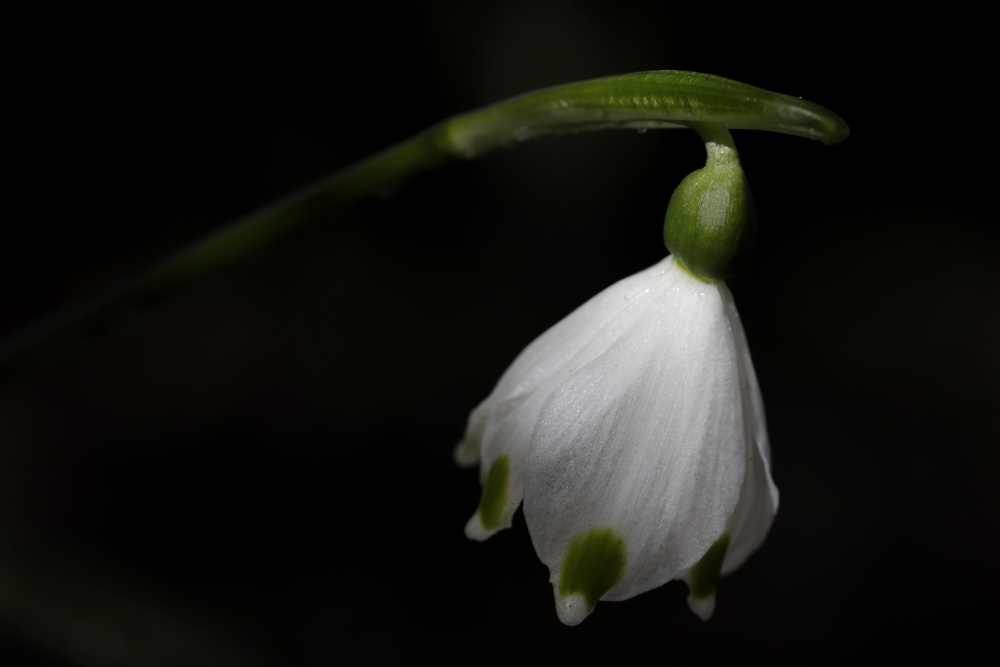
633,430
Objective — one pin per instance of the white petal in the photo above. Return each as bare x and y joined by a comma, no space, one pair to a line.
758,502
647,439
505,421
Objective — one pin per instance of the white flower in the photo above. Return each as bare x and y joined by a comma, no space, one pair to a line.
634,432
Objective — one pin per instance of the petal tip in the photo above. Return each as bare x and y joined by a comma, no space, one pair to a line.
475,530
593,563
572,609
702,607
466,454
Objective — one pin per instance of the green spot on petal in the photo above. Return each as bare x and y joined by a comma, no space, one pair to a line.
593,563
495,493
704,576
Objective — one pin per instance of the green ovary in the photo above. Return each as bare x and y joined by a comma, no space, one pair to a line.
593,563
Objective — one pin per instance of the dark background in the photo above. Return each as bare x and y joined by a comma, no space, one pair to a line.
259,471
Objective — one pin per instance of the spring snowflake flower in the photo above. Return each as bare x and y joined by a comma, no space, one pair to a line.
634,432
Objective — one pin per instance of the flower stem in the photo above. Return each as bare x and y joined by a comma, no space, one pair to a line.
719,144
644,100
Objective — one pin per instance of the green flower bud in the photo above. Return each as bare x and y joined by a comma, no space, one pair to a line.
711,221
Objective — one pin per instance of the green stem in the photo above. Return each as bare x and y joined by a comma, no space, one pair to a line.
644,100
719,145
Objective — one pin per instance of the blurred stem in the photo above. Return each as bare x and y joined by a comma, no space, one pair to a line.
644,100
80,613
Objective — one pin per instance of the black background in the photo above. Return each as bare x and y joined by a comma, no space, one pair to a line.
259,471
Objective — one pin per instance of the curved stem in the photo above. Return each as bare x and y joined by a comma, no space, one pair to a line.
719,144
645,100
720,149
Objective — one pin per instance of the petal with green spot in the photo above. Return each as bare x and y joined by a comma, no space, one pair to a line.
594,562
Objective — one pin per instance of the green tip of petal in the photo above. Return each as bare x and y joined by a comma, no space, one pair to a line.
593,563
495,490
703,579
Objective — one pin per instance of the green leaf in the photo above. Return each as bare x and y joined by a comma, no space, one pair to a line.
665,99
